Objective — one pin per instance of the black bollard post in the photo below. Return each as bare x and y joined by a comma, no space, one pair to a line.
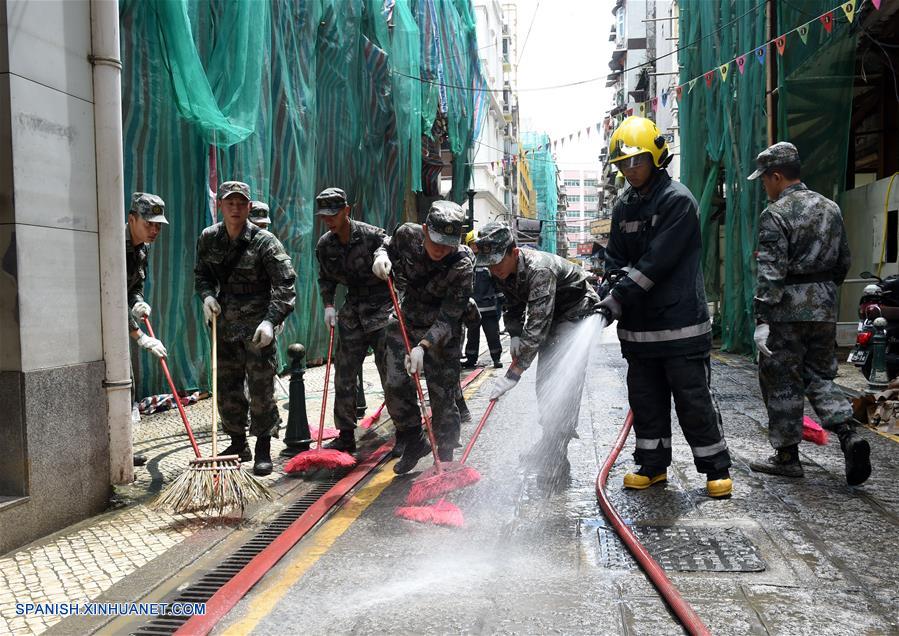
297,436
360,396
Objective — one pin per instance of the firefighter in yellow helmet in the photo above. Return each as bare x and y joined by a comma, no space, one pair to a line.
654,288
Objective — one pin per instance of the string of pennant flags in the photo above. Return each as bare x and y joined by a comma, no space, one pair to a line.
760,53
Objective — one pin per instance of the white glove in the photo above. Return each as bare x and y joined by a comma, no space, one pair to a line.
264,335
610,307
330,316
152,345
140,310
211,308
502,385
415,362
760,336
382,266
514,346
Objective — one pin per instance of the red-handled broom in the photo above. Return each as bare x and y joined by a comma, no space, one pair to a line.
321,457
368,420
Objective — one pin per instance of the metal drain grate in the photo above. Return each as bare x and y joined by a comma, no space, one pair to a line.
210,583
685,549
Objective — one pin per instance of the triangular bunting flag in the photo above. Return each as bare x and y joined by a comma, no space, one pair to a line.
803,33
781,43
579,134
571,136
655,104
708,79
827,21
849,9
760,53
642,109
692,84
678,91
664,98
876,4
741,63
598,124
724,68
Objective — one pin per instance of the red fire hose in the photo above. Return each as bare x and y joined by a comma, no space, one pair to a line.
681,608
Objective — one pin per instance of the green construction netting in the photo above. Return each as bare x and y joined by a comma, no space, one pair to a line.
290,97
730,120
542,168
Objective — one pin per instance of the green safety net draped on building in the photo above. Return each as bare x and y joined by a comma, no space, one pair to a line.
293,97
543,172
724,127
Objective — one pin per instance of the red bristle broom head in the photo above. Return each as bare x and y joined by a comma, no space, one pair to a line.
432,484
319,458
812,432
441,513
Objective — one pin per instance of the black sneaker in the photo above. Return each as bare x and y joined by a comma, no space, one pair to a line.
263,464
345,443
857,452
416,447
239,446
470,364
497,364
782,463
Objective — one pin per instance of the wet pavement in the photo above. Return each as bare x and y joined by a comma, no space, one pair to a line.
810,556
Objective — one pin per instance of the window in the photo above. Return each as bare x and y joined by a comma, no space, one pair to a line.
591,183
572,245
619,23
574,198
572,183
590,198
572,214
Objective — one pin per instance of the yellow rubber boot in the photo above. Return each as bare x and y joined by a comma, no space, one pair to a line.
718,488
638,481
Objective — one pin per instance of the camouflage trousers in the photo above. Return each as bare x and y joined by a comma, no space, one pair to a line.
803,364
651,383
442,367
352,345
242,369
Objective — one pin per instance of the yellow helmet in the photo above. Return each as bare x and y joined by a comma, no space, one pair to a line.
470,237
635,136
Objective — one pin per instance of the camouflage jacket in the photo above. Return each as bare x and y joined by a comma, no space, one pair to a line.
435,293
260,286
549,289
803,256
367,304
136,272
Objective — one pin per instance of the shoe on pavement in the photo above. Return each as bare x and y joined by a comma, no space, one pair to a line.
399,444
416,448
445,454
857,452
239,446
344,442
783,462
262,466
497,364
719,488
645,477
469,364
139,460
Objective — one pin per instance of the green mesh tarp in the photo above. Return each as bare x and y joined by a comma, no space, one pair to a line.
543,171
724,127
292,97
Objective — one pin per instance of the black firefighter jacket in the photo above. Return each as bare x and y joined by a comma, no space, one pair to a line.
656,238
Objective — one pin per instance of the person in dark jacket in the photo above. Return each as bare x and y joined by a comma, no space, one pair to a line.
663,320
489,304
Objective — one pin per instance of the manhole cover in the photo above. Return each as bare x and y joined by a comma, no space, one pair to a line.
685,549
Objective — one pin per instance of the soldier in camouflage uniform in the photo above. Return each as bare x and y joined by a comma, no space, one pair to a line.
546,298
434,272
259,214
345,254
244,277
146,216
803,256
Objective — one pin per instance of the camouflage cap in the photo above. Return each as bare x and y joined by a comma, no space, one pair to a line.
330,201
492,243
234,187
259,213
780,154
445,221
149,206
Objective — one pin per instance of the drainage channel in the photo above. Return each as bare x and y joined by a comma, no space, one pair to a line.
215,579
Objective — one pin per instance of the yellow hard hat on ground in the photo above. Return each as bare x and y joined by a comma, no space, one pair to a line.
636,136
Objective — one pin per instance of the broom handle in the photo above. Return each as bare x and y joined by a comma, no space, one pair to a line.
215,391
477,431
421,396
321,420
168,376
